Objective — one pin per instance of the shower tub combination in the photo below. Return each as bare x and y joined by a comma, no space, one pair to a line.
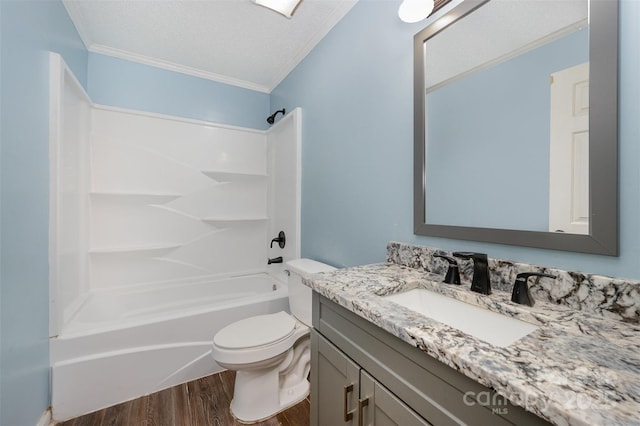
158,238
124,344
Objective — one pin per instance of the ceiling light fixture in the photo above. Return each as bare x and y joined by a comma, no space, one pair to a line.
284,7
411,11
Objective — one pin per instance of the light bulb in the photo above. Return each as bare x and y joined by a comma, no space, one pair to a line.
411,11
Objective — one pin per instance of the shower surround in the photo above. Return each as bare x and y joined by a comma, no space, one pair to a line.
159,237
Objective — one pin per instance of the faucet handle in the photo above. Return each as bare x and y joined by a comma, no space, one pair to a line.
453,273
470,255
521,293
281,239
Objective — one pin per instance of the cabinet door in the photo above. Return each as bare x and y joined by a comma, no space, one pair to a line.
379,407
335,385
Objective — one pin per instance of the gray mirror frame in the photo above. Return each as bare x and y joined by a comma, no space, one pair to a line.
603,143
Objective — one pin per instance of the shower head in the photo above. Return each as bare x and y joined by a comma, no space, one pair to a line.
272,118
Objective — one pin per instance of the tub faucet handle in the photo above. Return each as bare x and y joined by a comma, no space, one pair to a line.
281,239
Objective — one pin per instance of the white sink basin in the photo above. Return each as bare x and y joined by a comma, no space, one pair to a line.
499,330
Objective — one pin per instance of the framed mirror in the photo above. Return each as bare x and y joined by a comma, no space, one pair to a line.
515,124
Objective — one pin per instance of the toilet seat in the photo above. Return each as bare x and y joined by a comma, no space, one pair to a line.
260,330
256,339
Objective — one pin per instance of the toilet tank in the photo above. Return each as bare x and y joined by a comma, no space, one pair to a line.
300,294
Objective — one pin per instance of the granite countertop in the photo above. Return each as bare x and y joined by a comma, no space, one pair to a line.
577,368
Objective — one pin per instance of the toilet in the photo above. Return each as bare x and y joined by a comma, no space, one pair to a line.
271,353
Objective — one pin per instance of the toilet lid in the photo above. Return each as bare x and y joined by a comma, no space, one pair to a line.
255,331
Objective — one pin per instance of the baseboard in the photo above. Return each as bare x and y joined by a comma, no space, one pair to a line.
46,419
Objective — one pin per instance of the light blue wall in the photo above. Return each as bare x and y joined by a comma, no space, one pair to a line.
125,84
356,91
501,140
28,30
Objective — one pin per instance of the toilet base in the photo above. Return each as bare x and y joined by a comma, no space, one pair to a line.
294,396
263,393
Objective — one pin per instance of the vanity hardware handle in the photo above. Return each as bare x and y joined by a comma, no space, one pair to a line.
361,404
348,415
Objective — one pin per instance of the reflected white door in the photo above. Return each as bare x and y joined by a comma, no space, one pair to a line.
569,151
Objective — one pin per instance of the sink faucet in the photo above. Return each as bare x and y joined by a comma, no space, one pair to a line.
481,282
521,293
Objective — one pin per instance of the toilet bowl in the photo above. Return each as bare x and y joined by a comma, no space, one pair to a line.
271,353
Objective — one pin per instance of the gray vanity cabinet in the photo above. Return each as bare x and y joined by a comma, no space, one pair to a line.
347,395
353,361
336,384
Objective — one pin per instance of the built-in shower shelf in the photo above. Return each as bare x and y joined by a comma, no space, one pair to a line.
136,249
143,198
232,220
233,176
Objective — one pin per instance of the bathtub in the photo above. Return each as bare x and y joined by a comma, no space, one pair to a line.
122,344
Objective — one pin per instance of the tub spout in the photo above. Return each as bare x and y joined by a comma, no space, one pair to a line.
274,260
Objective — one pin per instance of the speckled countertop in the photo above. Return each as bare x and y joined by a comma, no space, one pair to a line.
577,368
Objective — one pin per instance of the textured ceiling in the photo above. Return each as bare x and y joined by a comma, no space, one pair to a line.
232,41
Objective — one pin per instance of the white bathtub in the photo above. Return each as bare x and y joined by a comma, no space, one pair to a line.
124,344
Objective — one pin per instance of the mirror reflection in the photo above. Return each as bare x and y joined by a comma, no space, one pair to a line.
514,78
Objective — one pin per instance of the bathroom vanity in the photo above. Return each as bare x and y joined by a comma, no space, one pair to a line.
368,376
377,362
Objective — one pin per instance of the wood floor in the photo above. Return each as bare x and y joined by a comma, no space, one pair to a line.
201,402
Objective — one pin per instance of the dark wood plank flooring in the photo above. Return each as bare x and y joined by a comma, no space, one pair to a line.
202,402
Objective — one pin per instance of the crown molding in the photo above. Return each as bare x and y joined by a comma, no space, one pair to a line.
159,63
78,21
